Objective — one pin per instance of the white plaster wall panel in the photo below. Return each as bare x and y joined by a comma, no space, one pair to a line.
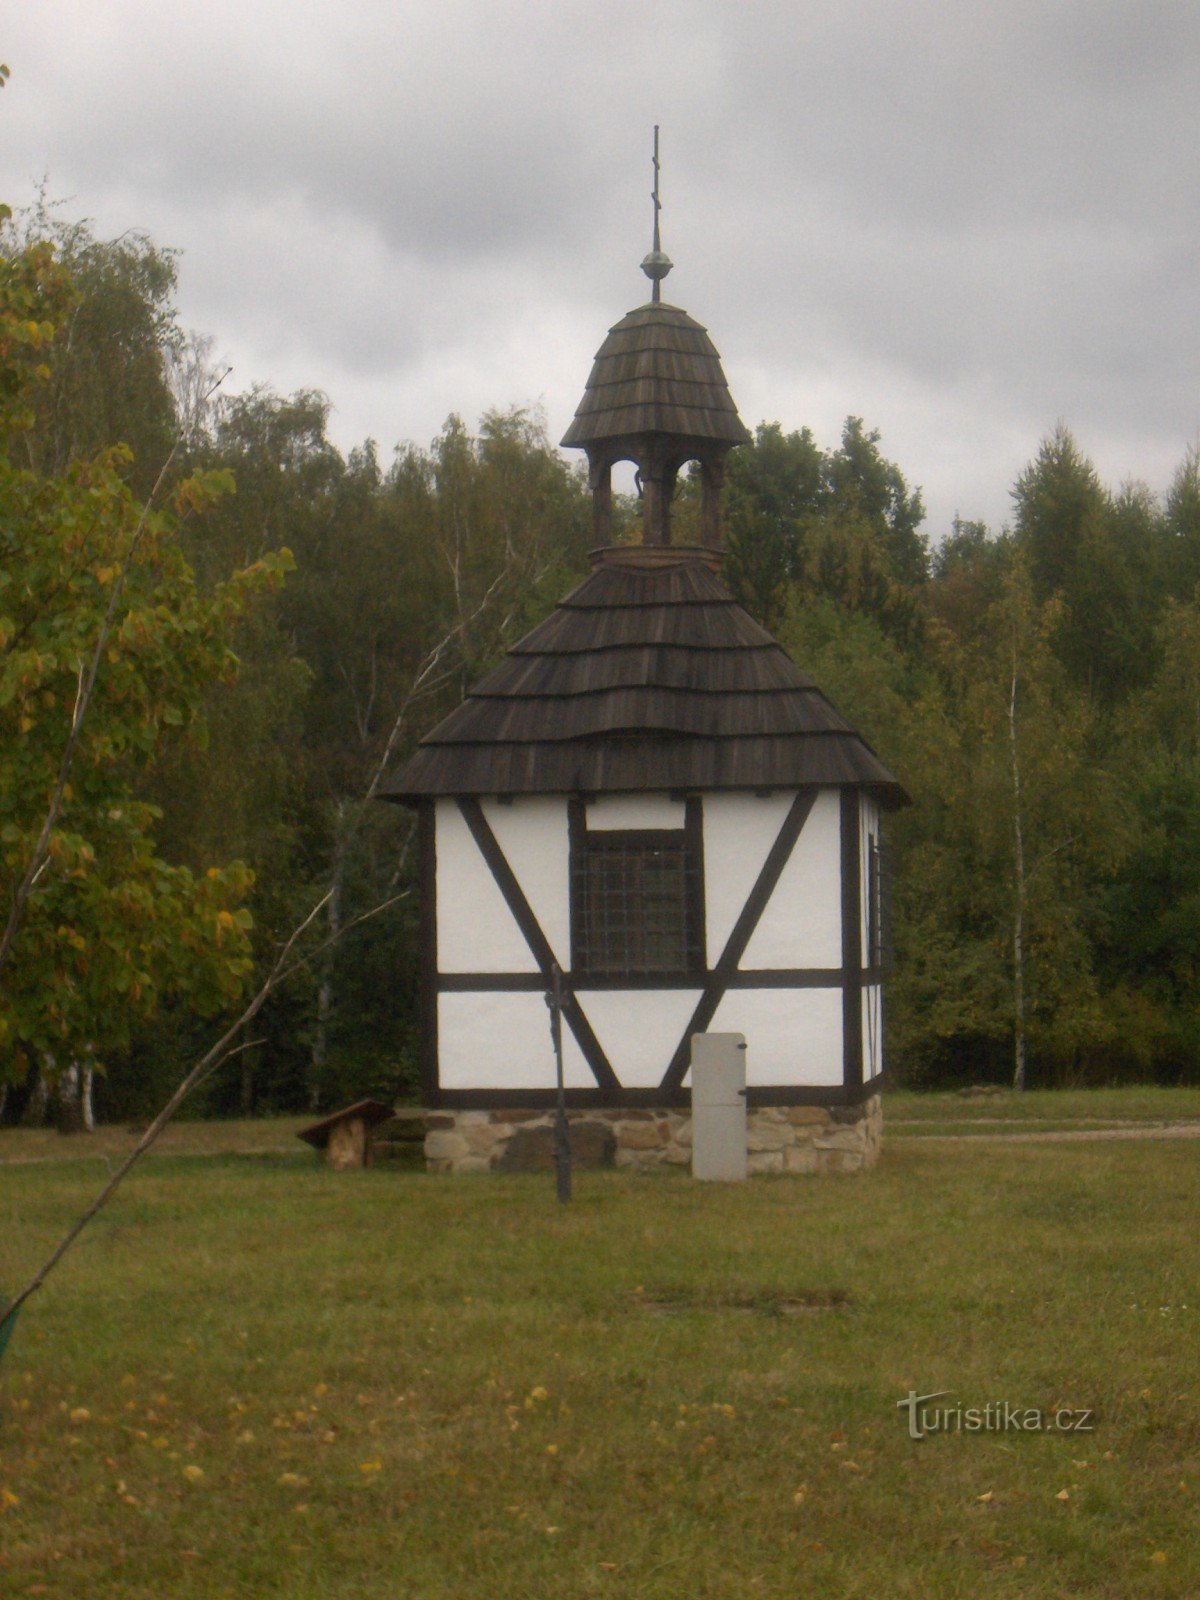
739,830
533,835
793,1036
639,1029
502,1041
475,929
868,829
801,925
635,811
872,1026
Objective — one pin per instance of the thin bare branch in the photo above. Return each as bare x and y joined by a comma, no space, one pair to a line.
216,1056
336,938
430,664
283,968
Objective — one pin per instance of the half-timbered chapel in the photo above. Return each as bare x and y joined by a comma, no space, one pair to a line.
649,794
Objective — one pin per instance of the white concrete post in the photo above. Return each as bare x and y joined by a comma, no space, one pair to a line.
719,1106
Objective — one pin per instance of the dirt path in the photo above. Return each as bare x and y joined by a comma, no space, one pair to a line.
1144,1130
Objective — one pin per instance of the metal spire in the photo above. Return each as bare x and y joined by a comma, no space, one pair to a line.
656,265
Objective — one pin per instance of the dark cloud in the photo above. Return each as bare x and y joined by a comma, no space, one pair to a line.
963,223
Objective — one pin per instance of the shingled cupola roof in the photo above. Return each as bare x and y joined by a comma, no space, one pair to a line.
656,373
649,675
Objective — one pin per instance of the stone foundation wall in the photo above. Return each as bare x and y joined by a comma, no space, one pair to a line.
778,1139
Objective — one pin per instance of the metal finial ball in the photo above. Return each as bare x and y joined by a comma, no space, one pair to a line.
657,264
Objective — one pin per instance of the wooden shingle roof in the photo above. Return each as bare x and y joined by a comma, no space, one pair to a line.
657,372
648,676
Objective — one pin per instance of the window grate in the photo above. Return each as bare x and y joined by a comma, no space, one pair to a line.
635,899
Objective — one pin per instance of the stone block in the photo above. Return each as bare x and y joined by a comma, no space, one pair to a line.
683,1134
765,1161
644,1160
532,1149
841,1139
641,1135
444,1145
806,1116
800,1158
768,1135
435,1121
847,1116
516,1116
482,1138
405,1125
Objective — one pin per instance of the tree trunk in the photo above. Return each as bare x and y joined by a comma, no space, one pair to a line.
39,1100
86,1106
1018,944
70,1100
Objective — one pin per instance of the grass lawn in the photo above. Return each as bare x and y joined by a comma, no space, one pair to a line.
254,1378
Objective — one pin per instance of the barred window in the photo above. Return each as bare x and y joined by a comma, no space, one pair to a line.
636,903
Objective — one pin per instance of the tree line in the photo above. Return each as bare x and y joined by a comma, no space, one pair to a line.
288,620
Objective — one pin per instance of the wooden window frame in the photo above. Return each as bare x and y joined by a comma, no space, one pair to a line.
589,845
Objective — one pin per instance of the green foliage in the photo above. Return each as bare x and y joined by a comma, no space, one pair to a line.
107,378
112,929
245,721
840,525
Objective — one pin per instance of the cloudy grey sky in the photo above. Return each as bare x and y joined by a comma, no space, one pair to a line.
962,222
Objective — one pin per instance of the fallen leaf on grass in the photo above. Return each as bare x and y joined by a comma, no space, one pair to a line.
1063,1494
370,1466
193,1473
990,1495
8,1499
81,1414
1159,1557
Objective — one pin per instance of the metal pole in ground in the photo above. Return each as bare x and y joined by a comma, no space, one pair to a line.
562,1137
